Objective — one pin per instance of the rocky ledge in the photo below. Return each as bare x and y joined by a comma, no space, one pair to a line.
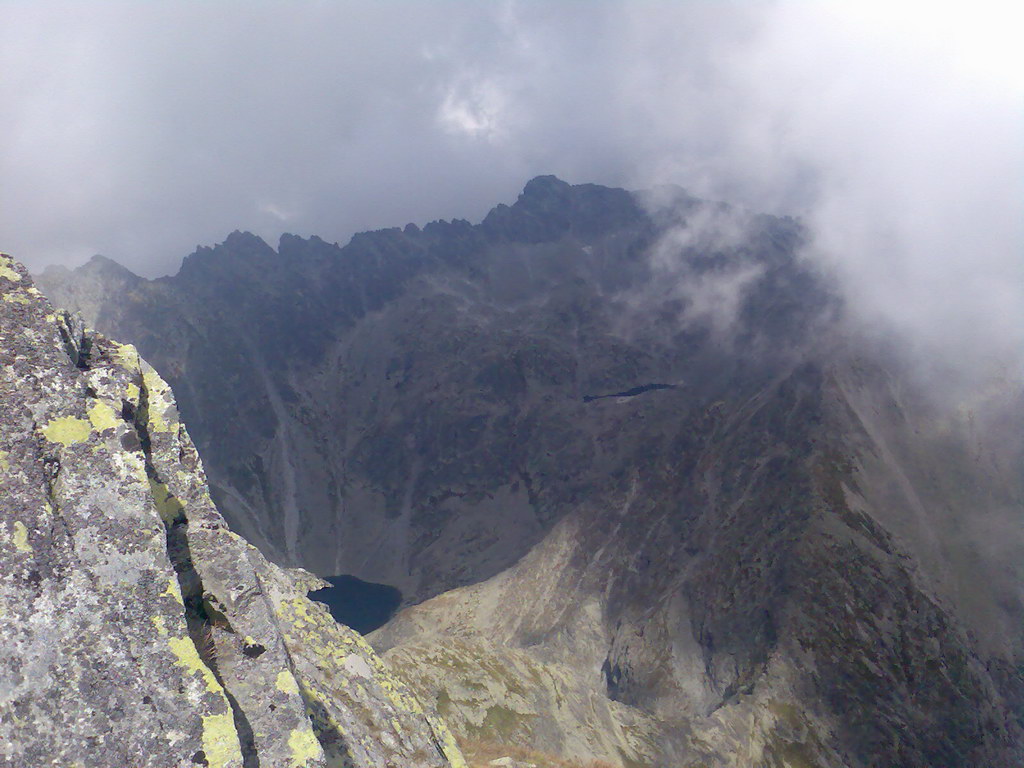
138,630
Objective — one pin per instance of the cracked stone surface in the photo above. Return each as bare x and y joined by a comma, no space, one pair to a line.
137,628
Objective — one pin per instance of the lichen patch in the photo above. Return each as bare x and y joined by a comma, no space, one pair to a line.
102,417
20,537
286,682
67,431
188,657
220,741
9,274
304,747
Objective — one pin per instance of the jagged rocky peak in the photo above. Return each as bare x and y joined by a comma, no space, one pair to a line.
237,250
137,628
549,207
97,265
89,286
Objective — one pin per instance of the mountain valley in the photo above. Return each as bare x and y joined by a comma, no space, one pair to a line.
639,488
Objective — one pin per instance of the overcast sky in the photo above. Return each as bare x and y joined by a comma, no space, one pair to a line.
139,130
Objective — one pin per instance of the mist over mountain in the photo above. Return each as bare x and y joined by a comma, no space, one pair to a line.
650,489
703,449
892,131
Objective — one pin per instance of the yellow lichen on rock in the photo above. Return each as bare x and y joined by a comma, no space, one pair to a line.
67,431
102,416
173,590
220,741
286,682
127,356
166,503
9,274
188,657
159,399
304,746
20,537
447,742
348,661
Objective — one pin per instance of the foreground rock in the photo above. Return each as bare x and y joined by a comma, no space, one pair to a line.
137,628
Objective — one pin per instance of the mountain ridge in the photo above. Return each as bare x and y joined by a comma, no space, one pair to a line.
786,557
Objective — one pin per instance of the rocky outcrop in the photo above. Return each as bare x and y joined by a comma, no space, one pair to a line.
496,693
137,628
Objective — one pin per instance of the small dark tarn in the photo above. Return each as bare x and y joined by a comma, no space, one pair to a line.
630,392
359,604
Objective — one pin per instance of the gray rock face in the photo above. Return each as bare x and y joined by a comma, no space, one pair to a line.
137,629
688,518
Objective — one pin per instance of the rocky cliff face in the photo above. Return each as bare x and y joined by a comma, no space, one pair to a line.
137,628
666,508
419,407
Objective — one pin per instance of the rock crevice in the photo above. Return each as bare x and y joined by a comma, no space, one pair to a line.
140,630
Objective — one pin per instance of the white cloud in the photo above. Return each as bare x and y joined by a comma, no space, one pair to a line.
280,213
895,129
475,109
